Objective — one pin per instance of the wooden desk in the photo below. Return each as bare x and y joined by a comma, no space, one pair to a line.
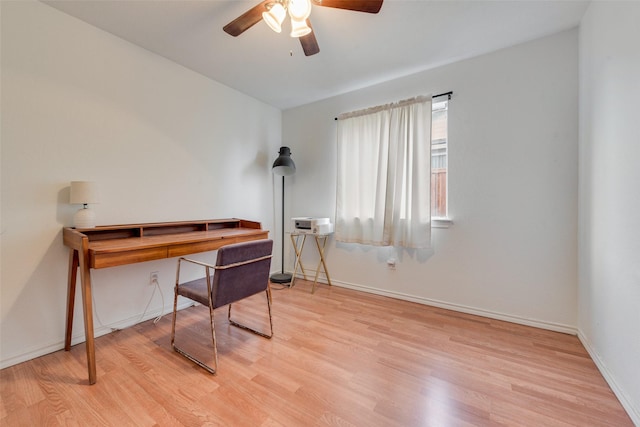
109,246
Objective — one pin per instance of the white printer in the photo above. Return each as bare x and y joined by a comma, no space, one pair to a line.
312,225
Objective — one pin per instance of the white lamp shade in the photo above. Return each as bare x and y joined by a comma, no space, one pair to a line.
83,192
299,28
274,17
299,10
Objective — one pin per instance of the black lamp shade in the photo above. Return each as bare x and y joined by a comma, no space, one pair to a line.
284,165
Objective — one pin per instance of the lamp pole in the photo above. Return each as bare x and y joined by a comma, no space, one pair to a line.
283,165
282,232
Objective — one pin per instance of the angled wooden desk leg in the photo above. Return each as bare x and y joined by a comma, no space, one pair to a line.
322,262
79,258
85,280
71,296
298,263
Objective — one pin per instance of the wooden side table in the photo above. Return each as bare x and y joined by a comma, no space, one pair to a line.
298,240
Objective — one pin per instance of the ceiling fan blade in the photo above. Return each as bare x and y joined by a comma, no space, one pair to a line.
309,42
247,20
369,6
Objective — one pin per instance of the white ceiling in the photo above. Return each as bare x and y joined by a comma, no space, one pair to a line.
356,49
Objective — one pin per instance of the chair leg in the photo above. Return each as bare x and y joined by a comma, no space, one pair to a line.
255,331
188,355
175,307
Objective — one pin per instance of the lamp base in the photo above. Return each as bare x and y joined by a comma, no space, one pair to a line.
84,218
281,278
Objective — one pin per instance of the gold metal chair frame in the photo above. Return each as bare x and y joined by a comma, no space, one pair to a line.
208,268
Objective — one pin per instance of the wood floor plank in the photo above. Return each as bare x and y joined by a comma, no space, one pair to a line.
338,358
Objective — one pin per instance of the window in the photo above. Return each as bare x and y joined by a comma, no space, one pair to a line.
392,183
439,158
383,182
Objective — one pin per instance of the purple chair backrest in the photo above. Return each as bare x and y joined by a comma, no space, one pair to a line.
231,282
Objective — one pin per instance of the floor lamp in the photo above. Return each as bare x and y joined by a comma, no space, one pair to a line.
283,166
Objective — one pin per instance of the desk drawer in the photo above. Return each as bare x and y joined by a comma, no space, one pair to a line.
111,259
192,248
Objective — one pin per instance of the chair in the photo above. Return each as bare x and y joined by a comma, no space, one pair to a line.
241,270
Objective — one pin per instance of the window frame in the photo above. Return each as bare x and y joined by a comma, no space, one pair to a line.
437,106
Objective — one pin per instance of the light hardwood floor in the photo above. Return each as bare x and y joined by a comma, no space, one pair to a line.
338,357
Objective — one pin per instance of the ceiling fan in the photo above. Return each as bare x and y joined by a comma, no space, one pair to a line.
274,11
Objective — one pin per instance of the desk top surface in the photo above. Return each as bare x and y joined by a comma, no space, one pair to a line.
130,243
109,246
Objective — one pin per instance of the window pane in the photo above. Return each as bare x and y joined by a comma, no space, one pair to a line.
439,148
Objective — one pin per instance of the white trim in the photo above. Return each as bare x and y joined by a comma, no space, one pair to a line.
441,222
38,351
627,403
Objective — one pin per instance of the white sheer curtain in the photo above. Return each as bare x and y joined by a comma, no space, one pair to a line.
384,175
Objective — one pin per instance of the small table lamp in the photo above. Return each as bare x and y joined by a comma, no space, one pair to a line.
83,193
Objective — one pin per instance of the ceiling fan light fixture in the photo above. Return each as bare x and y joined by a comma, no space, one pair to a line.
273,13
274,17
299,10
299,28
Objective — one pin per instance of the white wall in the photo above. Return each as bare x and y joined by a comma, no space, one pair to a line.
512,252
609,224
165,143
162,142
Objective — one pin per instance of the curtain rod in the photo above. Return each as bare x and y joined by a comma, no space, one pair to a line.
443,94
447,94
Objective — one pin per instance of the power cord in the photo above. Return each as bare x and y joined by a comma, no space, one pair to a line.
155,321
279,287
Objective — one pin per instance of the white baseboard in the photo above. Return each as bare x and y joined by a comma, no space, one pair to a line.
557,327
627,403
38,351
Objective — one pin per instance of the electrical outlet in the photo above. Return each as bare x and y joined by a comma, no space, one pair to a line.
153,278
391,263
